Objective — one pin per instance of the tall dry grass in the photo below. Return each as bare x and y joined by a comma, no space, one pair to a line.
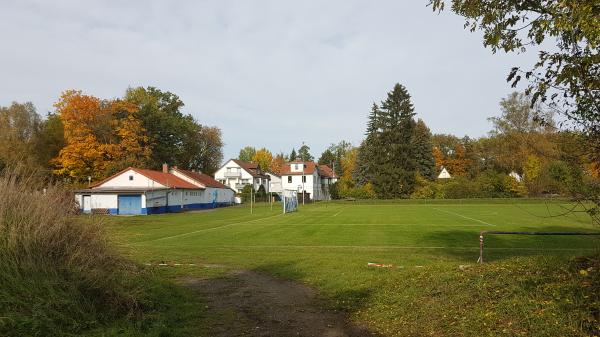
57,271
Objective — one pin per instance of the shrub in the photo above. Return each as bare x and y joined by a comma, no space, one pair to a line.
423,192
57,273
334,191
246,192
460,188
365,191
261,194
554,178
424,189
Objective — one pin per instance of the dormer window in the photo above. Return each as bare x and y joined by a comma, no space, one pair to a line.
295,166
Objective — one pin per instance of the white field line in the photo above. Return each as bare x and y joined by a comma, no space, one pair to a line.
464,217
399,247
416,205
208,229
336,214
368,224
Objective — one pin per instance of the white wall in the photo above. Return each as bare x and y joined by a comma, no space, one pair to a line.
156,198
110,200
104,201
312,185
275,184
232,182
297,181
122,180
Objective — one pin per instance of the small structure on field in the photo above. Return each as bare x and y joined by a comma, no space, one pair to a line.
139,191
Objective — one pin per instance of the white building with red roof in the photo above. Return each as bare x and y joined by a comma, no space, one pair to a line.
140,191
238,173
308,177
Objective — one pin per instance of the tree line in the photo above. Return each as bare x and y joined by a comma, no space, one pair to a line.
524,154
87,137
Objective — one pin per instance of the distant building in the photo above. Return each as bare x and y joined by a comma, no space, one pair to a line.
444,174
238,173
308,177
140,191
274,183
516,176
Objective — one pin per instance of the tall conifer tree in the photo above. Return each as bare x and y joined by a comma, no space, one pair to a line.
424,150
396,165
367,152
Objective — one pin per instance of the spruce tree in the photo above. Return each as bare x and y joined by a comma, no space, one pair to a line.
393,173
293,155
327,158
424,150
367,151
304,153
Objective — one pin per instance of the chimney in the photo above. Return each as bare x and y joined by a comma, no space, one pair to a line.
165,168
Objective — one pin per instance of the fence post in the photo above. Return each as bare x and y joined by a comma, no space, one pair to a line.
480,248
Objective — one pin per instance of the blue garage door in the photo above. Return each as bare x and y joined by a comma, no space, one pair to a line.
130,204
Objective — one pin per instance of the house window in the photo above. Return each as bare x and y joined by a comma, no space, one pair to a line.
130,178
289,179
295,167
303,179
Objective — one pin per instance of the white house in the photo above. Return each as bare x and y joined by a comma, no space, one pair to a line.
237,173
515,176
309,177
444,174
140,191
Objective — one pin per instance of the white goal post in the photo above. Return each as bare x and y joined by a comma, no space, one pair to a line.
289,199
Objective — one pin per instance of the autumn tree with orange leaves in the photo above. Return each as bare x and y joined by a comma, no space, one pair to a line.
439,158
277,164
458,164
101,136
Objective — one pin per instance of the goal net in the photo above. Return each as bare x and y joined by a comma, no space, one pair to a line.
289,199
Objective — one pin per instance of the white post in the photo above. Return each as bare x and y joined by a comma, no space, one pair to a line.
251,195
303,178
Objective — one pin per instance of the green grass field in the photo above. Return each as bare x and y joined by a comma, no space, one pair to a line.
528,284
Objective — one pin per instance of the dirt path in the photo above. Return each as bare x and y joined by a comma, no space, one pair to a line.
247,303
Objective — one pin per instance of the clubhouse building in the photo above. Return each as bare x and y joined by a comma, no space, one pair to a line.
135,191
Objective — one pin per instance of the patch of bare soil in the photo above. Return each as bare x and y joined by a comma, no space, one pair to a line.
247,303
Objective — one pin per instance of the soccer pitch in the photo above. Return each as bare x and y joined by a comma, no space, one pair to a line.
425,292
399,233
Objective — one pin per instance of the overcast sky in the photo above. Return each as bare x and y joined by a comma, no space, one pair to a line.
268,73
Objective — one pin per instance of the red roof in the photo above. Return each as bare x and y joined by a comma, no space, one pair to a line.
309,168
162,178
326,171
251,168
167,179
201,178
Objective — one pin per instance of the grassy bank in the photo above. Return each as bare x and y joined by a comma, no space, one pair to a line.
60,277
531,285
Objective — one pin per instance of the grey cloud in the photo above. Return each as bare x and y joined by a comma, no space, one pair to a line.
269,73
